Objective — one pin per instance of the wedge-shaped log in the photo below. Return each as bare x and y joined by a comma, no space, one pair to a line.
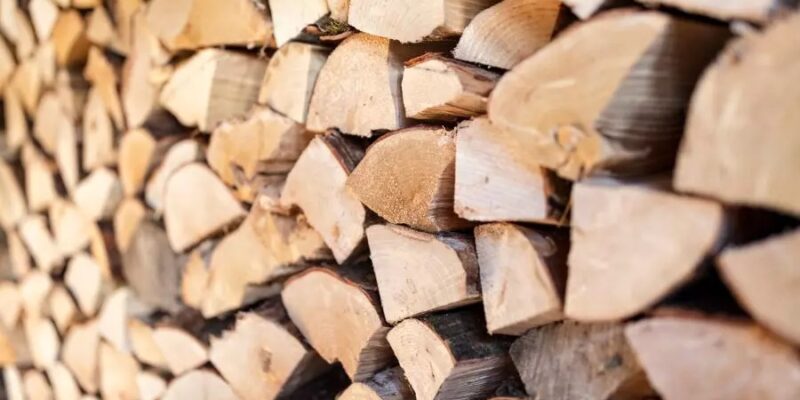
118,372
80,354
64,384
584,124
99,142
61,308
389,384
137,150
12,200
140,88
143,345
42,337
150,385
43,248
130,214
66,154
84,278
152,269
34,289
71,229
69,38
289,17
99,194
40,185
182,352
180,154
199,384
36,385
290,78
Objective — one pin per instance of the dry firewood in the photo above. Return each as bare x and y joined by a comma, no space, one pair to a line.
66,155
199,384
213,86
72,88
414,21
105,78
264,343
418,272
523,275
439,88
99,194
196,205
18,255
64,385
36,385
571,361
460,361
27,83
112,321
118,371
606,135
195,24
8,64
194,277
34,288
98,134
289,17
758,11
7,354
40,183
11,299
43,340
496,179
152,269
85,280
16,125
100,28
389,384
137,150
691,358
25,42
180,154
143,345
79,354
69,39
12,201
61,308
340,218
8,22
71,229
40,243
14,347
607,226
46,122
419,164
763,277
45,56
12,383
150,386
290,78
43,18
758,178
339,314
182,352
127,219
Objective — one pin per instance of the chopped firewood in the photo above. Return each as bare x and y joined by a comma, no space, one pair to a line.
99,28
152,269
18,255
40,183
213,86
7,354
418,272
143,345
289,17
763,277
608,222
62,309
72,88
118,373
34,289
66,154
508,32
136,154
40,243
150,385
389,384
16,125
99,194
496,179
194,278
64,385
11,299
25,36
112,321
42,339
12,201
523,275
199,384
12,383
85,281
182,352
408,177
264,343
290,78
603,134
692,358
460,360
98,134
414,21
720,129
36,385
104,77
331,209
570,361
43,18
139,90
757,11
80,354
127,219
71,229
27,83
339,314
180,154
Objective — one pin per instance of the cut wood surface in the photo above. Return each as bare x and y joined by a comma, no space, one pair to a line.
99,194
182,352
150,385
66,157
33,289
61,308
40,243
152,269
80,354
36,385
143,344
289,17
63,383
98,134
12,380
389,384
40,184
118,372
180,154
12,207
136,154
45,122
290,78
11,298
130,214
199,384
71,229
85,280
42,336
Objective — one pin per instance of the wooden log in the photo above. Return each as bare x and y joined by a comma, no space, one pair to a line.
43,17
757,179
418,272
99,28
16,125
389,384
341,217
290,17
43,340
99,194
569,360
69,39
46,122
104,76
102,250
523,276
150,385
36,385
139,89
195,273
213,86
112,321
61,308
607,226
137,150
419,164
12,201
66,155
7,65
118,371
45,56
199,384
604,135
758,11
696,358
80,354
122,13
496,179
99,142
130,214
34,288
290,78
72,88
84,279
27,84
12,382
25,40
40,183
339,315
11,298
63,383
143,345
71,229
37,238
180,154
152,269
182,352
461,361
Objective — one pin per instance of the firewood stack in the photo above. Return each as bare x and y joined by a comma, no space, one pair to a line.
383,200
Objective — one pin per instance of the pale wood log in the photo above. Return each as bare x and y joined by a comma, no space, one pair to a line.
36,386
43,18
759,178
340,218
112,321
143,344
523,276
13,208
85,281
122,13
127,219
290,78
289,17
80,354
12,383
199,384
72,89
583,126
389,384
702,358
508,32
69,39
496,179
7,65
99,194
61,308
40,183
339,314
118,371
8,356
418,272
8,22
100,28
104,76
18,255
71,229
152,269
63,383
40,243
99,144
414,21
460,361
27,84
150,385
25,36
45,56
419,163
43,340
569,361
34,289
180,154
182,352
213,86
608,222
195,274
137,150
102,249
16,125
66,154
11,299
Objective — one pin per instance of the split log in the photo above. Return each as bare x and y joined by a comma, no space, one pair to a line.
196,205
523,276
418,272
137,150
25,39
12,383
127,219
213,86
64,385
102,250
762,276
143,344
569,360
71,229
13,208
758,11
45,56
43,340
460,360
439,88
99,194
112,321
180,154
496,179
199,384
11,299
104,76
36,385
509,32
602,134
408,177
80,354
18,255
61,308
194,278
150,386
46,121
7,65
72,88
290,78
86,283
122,13
607,226
152,269
27,83
340,316
340,218
693,358
118,373
415,21
43,18
99,144
40,183
289,17
99,28
33,289
389,384
16,125
757,178
182,352
66,154
37,238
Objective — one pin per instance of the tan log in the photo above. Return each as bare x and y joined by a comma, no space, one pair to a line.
36,385
40,243
80,354
42,337
389,384
136,155
34,289
7,65
104,76
11,298
46,122
143,345
66,154
85,280
99,194
63,383
118,371
290,78
61,308
69,39
195,274
40,183
289,17
150,385
151,268
71,229
16,125
112,321
180,154
199,384
127,219
182,352
12,201
99,28
43,18
18,255
72,88
99,142
27,83
25,35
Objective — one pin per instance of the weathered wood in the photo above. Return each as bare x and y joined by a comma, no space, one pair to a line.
389,384
182,352
290,78
152,269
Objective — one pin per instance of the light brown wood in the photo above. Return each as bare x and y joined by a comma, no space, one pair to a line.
61,308
45,56
199,384
34,289
150,385
85,280
11,298
143,345
151,269
289,17
181,351
63,383
419,163
39,180
27,84
66,156
12,201
104,76
36,385
194,277
13,385
180,154
43,18
112,321
290,78
80,354
18,255
127,219
7,65
136,155
16,126
85,4
71,229
118,373
40,243
25,35
99,28
99,144
72,88
99,194
69,39
43,340
46,122
389,384
101,250
139,88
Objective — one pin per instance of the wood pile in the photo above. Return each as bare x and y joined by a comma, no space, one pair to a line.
385,200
